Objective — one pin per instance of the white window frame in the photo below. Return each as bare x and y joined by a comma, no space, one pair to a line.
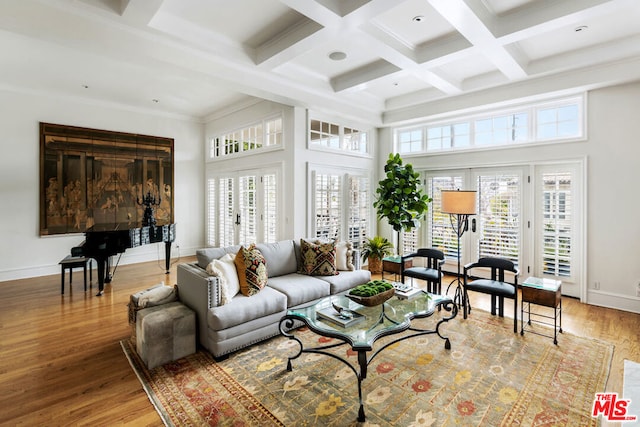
345,206
267,225
232,143
343,141
528,138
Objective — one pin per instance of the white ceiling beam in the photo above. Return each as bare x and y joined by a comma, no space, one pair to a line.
363,75
545,16
469,24
140,12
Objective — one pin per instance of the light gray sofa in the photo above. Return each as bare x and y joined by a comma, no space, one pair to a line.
243,321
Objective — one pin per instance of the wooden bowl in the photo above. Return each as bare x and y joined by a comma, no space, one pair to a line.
374,300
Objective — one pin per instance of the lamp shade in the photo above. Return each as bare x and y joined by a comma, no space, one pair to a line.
459,202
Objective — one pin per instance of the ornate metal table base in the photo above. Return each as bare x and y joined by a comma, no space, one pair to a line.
287,323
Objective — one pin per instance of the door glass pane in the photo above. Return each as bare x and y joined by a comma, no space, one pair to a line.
248,209
226,231
441,233
557,213
499,216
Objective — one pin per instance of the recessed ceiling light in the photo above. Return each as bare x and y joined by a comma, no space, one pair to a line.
418,18
581,28
337,55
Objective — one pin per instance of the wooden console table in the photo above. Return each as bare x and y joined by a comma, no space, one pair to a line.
391,264
546,293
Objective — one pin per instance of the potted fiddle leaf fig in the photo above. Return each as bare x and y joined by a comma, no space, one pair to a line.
399,197
373,250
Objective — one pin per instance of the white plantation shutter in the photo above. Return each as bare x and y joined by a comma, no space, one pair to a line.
270,211
248,209
211,212
328,208
409,242
557,223
499,201
226,217
359,205
442,236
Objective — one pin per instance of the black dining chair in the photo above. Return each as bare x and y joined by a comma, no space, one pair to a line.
497,287
431,271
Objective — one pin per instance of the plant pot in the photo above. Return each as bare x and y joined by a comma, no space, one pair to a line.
375,265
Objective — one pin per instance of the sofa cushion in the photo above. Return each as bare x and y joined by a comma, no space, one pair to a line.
299,288
280,257
318,259
225,270
347,280
252,270
205,256
243,309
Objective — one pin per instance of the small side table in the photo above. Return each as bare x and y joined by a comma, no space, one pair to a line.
546,293
71,262
391,264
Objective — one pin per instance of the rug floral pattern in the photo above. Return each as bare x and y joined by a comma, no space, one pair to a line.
491,376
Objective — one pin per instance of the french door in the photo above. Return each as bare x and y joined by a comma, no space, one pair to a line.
242,207
531,215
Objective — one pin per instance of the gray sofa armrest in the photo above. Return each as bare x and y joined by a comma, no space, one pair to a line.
198,291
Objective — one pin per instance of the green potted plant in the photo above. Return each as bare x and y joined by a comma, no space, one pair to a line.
399,197
374,249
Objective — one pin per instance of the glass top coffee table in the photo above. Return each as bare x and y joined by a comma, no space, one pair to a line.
392,317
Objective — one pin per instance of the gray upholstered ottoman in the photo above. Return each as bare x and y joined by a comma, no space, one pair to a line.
165,333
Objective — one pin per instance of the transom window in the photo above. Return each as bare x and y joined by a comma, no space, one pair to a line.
337,137
266,133
551,121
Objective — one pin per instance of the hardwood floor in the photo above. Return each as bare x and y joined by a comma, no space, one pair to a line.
61,361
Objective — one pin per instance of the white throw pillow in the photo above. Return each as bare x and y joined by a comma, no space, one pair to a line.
344,261
225,270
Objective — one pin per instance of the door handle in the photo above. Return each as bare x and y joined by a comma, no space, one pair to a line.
473,225
237,219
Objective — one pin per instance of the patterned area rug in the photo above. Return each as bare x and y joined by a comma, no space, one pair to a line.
490,377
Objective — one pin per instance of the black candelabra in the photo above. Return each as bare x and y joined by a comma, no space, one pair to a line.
149,201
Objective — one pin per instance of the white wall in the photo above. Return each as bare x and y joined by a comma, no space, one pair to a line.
23,253
612,154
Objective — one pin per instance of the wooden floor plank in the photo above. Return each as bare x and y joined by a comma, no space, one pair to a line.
61,361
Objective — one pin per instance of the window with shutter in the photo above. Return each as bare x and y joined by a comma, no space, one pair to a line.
441,234
359,201
248,209
328,198
211,210
270,208
226,231
557,219
499,201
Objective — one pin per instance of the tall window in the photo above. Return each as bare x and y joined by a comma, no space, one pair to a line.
557,223
341,206
499,201
243,208
328,205
442,235
359,209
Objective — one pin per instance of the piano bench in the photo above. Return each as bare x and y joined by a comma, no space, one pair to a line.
165,333
69,263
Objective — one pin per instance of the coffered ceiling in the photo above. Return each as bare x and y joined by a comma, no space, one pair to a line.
379,61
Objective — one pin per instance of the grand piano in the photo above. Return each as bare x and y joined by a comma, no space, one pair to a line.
102,241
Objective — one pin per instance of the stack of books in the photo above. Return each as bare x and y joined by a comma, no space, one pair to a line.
406,291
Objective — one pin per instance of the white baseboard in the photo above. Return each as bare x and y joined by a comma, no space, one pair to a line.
132,256
613,300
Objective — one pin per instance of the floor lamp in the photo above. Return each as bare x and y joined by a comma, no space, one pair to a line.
459,205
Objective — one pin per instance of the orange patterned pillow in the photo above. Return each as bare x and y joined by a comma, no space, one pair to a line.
252,270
